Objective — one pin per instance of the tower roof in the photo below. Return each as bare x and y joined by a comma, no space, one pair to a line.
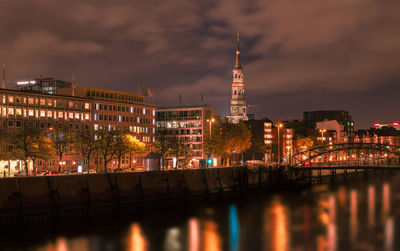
237,61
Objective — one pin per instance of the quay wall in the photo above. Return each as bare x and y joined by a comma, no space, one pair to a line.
47,197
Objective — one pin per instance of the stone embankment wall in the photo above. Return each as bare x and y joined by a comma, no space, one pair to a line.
30,198
27,199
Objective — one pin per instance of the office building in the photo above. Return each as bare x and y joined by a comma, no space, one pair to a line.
189,124
43,85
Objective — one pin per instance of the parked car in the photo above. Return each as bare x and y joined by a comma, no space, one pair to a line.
22,173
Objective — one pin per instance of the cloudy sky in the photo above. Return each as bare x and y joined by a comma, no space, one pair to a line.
297,55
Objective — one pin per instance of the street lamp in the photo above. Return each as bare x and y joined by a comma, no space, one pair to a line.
279,149
210,121
322,134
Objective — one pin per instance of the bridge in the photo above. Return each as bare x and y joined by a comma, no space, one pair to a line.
348,156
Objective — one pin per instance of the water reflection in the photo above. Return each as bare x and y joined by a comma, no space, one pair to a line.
211,237
353,215
137,242
172,241
194,233
371,206
233,228
386,200
276,226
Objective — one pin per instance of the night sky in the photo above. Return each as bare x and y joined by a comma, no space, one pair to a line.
297,55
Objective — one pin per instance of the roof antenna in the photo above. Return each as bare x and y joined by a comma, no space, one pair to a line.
73,84
4,77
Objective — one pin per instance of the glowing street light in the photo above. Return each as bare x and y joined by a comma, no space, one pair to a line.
279,149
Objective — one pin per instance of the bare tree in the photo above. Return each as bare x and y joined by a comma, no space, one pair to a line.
85,145
106,145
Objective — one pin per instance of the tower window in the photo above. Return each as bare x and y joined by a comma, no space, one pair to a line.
235,92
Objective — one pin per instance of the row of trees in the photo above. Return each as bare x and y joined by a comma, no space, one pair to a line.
226,140
32,144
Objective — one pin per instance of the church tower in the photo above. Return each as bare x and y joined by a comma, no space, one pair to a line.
238,100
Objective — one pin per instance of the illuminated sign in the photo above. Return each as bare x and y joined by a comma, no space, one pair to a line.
377,124
31,82
395,123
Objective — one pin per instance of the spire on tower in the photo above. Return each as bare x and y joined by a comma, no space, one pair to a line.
237,62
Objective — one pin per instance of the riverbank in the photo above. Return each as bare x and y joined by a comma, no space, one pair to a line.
35,199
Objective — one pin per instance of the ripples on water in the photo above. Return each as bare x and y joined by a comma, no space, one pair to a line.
360,216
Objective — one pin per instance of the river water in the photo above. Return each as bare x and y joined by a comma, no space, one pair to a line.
361,215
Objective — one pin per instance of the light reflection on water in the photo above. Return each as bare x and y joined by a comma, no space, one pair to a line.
354,217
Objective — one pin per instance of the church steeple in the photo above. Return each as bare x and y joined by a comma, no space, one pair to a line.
238,98
237,61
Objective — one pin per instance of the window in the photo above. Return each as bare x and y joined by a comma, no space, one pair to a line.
60,115
10,99
10,111
31,113
31,101
42,102
49,102
70,104
144,111
18,112
42,113
71,115
76,115
87,106
49,114
87,116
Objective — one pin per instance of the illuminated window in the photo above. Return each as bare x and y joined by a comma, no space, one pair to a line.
18,112
49,114
87,106
87,116
95,116
131,109
31,112
31,101
71,115
70,104
37,113
42,102
119,118
76,115
138,120
97,106
96,127
60,115
55,103
49,102
154,121
42,113
25,113
154,113
10,99
55,115
10,111
144,111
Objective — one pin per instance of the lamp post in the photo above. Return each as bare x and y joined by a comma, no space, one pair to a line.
279,148
210,121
